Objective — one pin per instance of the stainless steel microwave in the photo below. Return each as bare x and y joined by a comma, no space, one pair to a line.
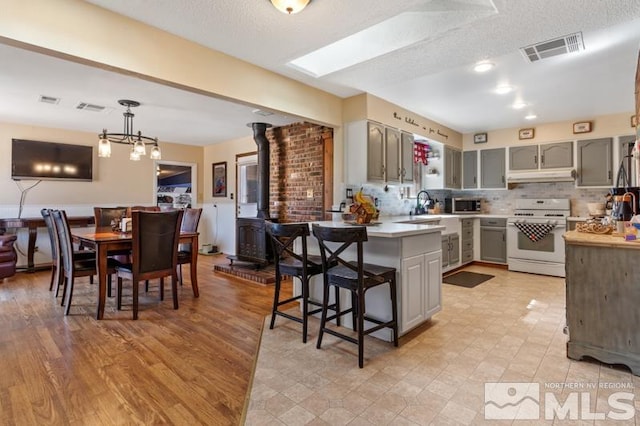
462,205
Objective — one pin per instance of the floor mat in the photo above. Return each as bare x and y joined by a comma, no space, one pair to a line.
466,279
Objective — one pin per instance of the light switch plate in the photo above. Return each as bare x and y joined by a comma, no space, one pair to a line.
309,193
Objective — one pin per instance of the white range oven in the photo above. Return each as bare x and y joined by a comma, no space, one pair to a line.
534,236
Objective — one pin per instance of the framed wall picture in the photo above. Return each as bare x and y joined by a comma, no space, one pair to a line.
582,127
219,181
480,138
526,133
634,121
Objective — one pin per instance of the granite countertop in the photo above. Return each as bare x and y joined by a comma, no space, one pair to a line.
599,240
388,229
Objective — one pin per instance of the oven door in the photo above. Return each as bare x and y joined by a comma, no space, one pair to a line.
548,249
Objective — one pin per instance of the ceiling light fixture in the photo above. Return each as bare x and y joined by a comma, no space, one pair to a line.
504,89
530,117
290,7
483,66
518,105
137,141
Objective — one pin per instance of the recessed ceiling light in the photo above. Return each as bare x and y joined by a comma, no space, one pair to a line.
530,117
518,105
483,66
504,89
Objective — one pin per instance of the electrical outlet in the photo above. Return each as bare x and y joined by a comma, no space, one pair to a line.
309,193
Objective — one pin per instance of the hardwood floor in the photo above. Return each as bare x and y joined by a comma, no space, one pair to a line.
190,366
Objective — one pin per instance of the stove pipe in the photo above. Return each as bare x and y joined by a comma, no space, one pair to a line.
259,136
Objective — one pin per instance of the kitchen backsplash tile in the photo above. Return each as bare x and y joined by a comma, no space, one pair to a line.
394,201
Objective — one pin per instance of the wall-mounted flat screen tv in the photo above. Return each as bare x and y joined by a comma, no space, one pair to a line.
37,160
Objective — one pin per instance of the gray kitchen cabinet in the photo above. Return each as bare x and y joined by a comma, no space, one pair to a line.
595,162
523,157
375,152
493,240
453,160
470,169
466,248
392,166
556,155
385,149
450,249
406,154
492,168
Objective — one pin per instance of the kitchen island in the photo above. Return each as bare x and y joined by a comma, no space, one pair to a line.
415,251
603,298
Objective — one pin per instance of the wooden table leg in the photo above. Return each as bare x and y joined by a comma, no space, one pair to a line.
31,248
101,265
194,266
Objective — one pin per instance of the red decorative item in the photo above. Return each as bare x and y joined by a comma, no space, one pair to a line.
420,151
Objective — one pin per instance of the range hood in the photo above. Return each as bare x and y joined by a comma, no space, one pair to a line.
565,175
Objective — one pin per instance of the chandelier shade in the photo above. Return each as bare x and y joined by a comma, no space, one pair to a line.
137,141
290,6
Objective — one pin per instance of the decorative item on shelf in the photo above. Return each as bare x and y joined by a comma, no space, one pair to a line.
526,133
582,127
136,141
634,121
421,151
480,138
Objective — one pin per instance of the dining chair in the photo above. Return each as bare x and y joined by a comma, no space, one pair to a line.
356,277
190,221
73,267
154,238
57,272
297,264
142,208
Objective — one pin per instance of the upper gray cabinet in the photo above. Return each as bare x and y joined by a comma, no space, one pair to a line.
492,168
470,169
375,152
392,166
556,155
386,150
545,156
523,157
452,168
406,154
595,162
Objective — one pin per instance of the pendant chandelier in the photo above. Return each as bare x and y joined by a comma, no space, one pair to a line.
290,6
137,141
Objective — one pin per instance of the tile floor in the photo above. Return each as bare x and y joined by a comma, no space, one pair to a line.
508,329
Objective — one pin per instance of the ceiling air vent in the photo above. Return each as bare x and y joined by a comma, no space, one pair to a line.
90,107
49,100
559,46
262,112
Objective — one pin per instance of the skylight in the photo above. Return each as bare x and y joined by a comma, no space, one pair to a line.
401,31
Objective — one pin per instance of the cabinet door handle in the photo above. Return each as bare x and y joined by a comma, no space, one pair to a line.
535,159
475,179
502,178
542,159
609,174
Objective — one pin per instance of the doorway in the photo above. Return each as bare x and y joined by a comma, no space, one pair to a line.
247,185
175,184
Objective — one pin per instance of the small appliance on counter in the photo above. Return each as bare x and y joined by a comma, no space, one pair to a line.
462,205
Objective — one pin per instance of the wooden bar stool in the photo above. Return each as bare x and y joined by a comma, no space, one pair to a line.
355,276
300,265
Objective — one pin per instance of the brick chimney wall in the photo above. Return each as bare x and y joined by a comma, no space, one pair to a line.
297,165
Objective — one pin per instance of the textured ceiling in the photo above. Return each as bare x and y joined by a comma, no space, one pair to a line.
432,77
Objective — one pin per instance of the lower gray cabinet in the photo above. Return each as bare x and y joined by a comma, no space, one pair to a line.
493,240
450,249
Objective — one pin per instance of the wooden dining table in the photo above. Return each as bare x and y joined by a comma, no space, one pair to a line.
104,240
